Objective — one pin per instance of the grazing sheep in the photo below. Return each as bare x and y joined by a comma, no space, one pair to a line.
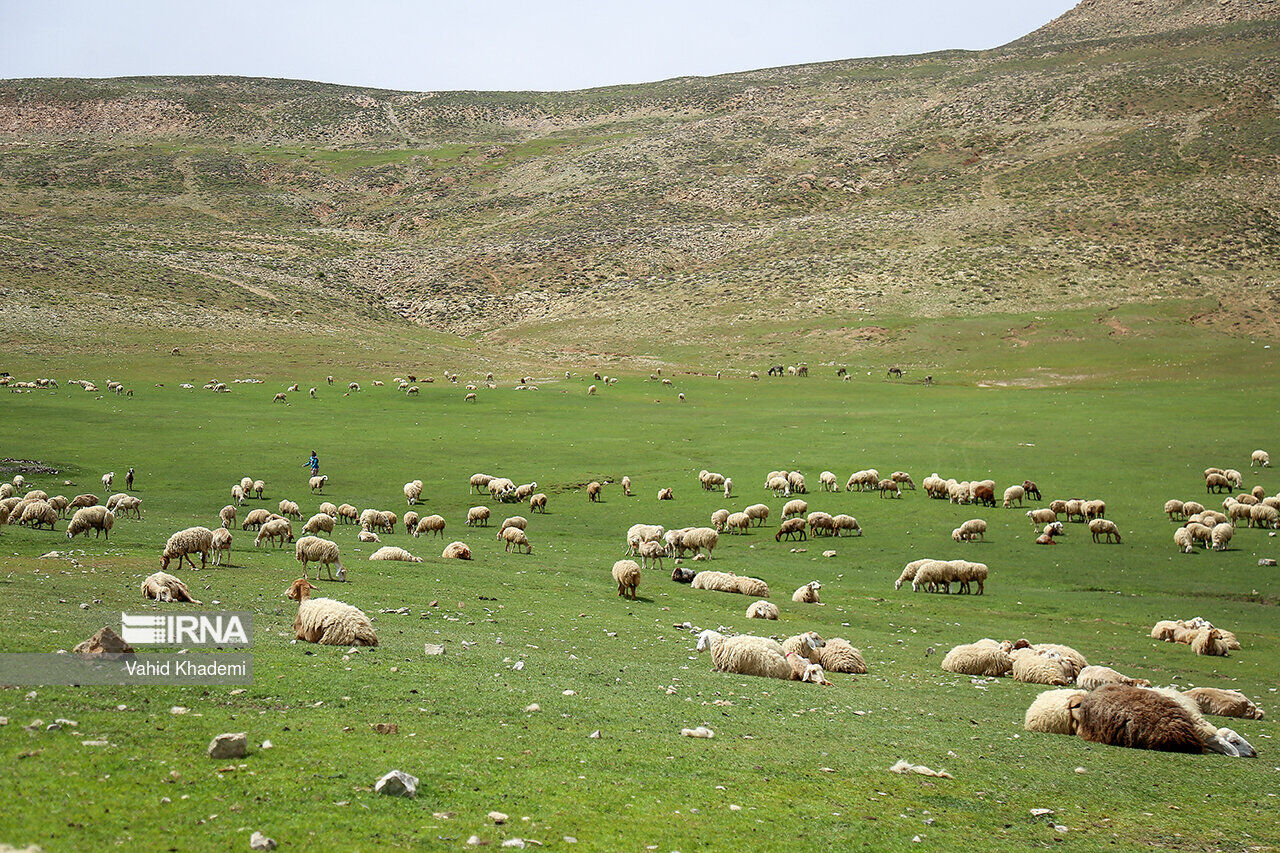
1050,713
837,655
807,645
626,574
321,522
761,610
289,509
412,491
162,586
246,485
39,512
184,543
78,502
729,582
1265,516
593,491
456,551
699,538
1031,490
845,522
228,516
790,529
737,522
347,514
6,490
1216,483
888,488
985,657
276,530
1182,538
329,510
794,508
759,513
909,573
99,519
501,488
1174,509
650,551
807,594
313,549
431,524
745,655
317,483
1260,457
391,552
1122,715
795,480
1200,532
479,482
720,518
372,518
1103,527
827,482
903,479
1041,516
626,486
728,488
221,545
1224,703
971,528
665,495
329,622
639,533
478,515
514,521
411,520
1014,493
524,492
60,503
514,537
538,503
1220,536
255,519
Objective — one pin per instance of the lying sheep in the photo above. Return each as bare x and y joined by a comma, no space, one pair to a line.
837,655
730,582
1139,718
1224,703
682,575
1036,666
162,586
391,552
762,610
1050,713
807,594
745,655
985,657
329,622
665,495
1093,677
626,574
807,645
456,551
313,549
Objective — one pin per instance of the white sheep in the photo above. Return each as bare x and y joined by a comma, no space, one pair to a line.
626,574
845,522
1220,536
391,552
538,503
329,622
650,551
107,479
720,518
828,482
838,655
99,519
1260,457
794,508
745,655
807,594
184,543
412,491
514,537
759,513
313,549
478,515
273,530
321,522
162,586
762,610
317,483
221,545
479,482
367,536
1013,493
638,533
432,524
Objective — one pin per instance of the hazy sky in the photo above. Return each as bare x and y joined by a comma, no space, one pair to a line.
486,44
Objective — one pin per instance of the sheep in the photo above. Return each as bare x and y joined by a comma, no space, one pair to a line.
1103,527
321,522
1174,509
6,490
1234,477
720,518
759,513
329,510
866,479
1224,703
845,522
99,519
514,537
38,512
1139,718
456,551
827,482
412,491
778,485
890,489
524,492
967,573
1075,511
1209,641
683,575
1220,536
347,514
710,480
290,509
1259,493
1014,493
312,392
313,549
1260,457
538,503
479,482
626,574
1031,490
317,483
933,576
807,645
42,495
1041,516
431,524
593,491
729,582
796,481
807,594
639,533
276,529
329,622
1264,515
1093,677
794,508
501,488
728,488
78,502
246,485
650,551
1182,538
184,543
255,519
971,528
1050,713
790,529
699,538
983,492
1191,508
762,610
162,586
372,518
626,486
411,520
107,479
903,479
665,495
1200,533
837,655
1216,483
908,573
391,552
985,657
60,504
478,515
221,545
737,522
745,655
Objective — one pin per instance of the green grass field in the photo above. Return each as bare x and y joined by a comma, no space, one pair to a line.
792,766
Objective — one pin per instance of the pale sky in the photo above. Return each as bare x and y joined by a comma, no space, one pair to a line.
486,44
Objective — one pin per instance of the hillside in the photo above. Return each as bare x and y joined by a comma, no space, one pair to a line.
1089,164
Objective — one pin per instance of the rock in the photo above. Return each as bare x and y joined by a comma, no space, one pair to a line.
700,731
229,745
474,841
397,783
258,841
514,842
530,708
497,817
1041,812
1266,562
828,553
105,642
433,649
596,735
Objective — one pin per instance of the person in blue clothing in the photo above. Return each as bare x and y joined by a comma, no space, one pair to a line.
313,463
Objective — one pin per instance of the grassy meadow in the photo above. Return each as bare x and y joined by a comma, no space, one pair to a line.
792,766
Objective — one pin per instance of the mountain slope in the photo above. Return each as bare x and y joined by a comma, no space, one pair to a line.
1109,19
637,218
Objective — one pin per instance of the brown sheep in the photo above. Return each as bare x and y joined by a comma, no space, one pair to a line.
790,528
1134,717
593,491
1224,703
1031,489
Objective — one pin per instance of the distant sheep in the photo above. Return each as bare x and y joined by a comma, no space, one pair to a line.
593,491
1014,493
794,508
665,495
276,530
478,516
1102,527
221,545
255,518
99,519
837,655
626,574
412,492
730,582
317,483
651,551
538,503
456,551
985,657
321,522
1224,703
791,529
1260,457
626,486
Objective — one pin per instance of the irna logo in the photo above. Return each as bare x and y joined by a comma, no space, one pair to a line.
186,629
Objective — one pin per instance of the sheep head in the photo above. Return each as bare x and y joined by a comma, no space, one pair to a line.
300,591
707,639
